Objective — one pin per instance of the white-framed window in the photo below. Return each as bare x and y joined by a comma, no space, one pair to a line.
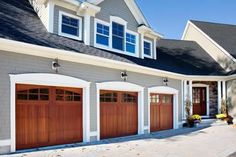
147,48
118,36
131,43
102,34
70,26
114,36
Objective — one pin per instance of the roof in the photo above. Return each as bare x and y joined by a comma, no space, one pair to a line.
19,22
222,34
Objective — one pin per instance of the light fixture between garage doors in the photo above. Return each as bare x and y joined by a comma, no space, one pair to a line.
55,65
124,75
165,81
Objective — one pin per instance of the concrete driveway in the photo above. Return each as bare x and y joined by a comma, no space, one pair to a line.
218,140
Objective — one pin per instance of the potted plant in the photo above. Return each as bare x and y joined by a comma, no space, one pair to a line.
197,119
224,116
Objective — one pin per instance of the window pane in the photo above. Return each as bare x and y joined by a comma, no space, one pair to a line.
69,30
118,43
130,48
102,40
70,21
117,36
22,97
147,48
130,38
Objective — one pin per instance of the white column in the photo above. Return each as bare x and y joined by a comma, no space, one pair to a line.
155,49
185,96
87,29
224,90
191,95
142,45
219,96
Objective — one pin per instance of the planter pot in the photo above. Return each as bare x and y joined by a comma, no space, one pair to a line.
196,124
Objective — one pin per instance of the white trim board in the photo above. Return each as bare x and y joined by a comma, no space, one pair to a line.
165,90
46,52
49,80
207,97
122,86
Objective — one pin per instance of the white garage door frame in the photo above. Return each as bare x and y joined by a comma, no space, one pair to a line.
48,80
122,86
164,90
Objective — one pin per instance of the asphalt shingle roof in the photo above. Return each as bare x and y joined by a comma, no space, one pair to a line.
19,22
223,34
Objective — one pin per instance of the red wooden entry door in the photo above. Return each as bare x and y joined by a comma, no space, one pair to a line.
161,112
118,114
199,100
47,116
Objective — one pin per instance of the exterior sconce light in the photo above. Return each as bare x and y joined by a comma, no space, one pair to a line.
165,81
55,65
124,75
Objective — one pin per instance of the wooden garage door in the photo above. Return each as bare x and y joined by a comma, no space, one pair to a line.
47,116
118,114
161,112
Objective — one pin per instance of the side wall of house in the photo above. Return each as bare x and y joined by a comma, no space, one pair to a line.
12,63
231,96
193,34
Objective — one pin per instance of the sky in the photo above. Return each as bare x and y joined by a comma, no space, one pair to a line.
169,17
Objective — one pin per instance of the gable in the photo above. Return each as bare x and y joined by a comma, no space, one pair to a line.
117,8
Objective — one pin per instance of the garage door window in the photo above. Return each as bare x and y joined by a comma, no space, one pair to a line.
65,95
33,94
129,98
155,98
108,97
166,99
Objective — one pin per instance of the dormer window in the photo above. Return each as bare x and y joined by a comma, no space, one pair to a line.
117,36
70,26
114,36
130,43
147,48
102,36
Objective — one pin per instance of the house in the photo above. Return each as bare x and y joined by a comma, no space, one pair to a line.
81,71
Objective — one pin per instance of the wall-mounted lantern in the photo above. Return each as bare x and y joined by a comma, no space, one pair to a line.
55,65
165,81
124,75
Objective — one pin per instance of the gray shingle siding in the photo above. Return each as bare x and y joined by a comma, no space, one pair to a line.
117,8
17,64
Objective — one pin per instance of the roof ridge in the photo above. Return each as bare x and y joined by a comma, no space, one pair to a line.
211,22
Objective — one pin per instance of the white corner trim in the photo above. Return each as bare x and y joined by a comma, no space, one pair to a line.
49,80
6,142
165,90
122,86
185,30
207,96
212,41
68,35
50,11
